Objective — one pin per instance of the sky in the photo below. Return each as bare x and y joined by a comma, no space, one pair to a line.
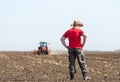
24,23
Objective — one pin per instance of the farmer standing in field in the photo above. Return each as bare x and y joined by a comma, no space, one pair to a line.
75,49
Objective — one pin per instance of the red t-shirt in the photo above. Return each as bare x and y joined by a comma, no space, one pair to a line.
74,37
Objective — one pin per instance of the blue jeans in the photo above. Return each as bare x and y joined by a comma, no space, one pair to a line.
79,54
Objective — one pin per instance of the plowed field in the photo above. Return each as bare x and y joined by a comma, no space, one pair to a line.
26,67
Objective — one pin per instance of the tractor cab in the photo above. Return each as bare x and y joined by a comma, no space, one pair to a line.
43,44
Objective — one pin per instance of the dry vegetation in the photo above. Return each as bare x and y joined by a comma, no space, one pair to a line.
26,67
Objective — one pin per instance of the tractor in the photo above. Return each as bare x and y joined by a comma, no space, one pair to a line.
42,49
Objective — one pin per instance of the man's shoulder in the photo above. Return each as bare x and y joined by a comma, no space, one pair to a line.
81,30
69,30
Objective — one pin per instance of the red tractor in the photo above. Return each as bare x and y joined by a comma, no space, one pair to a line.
42,49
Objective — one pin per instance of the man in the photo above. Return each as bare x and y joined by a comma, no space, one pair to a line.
76,43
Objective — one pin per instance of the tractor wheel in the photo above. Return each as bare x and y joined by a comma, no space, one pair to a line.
39,52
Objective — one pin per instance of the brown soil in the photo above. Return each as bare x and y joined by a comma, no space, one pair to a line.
26,67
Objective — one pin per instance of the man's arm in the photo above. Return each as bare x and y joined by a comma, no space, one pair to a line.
63,41
84,39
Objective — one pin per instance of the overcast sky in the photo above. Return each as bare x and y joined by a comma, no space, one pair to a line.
24,23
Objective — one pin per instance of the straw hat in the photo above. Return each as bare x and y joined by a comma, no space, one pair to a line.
77,23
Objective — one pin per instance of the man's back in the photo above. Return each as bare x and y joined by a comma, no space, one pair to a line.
74,37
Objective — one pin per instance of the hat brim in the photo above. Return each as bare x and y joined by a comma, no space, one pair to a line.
81,25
